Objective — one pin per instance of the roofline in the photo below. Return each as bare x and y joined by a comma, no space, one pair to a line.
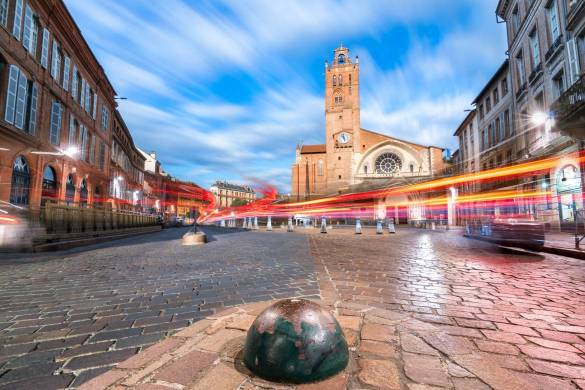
501,8
464,122
491,80
412,143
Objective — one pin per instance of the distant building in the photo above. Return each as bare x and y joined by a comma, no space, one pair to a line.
226,193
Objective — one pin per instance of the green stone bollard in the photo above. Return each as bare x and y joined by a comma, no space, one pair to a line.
295,341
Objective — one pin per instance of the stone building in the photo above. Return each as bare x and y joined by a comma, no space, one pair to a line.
55,125
226,193
352,155
127,168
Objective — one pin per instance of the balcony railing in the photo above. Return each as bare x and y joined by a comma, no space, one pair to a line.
571,101
553,49
575,13
536,73
521,91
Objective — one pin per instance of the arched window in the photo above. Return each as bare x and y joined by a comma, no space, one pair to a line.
341,59
83,194
334,80
97,196
340,79
411,167
388,163
19,191
365,169
49,185
320,168
69,190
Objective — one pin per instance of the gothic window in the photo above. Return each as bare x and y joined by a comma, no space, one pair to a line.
334,80
320,168
19,191
49,185
388,163
341,59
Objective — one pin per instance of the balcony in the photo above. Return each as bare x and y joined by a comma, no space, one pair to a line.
555,48
576,13
569,110
536,73
521,91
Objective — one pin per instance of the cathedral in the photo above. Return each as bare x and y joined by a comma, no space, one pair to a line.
353,156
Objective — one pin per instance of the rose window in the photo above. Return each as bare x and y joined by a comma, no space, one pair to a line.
388,163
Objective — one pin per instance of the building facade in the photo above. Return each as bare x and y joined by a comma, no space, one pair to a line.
55,101
227,193
352,155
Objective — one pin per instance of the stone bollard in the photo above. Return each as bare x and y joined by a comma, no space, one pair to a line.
194,238
379,227
391,227
323,225
358,226
290,225
269,224
255,223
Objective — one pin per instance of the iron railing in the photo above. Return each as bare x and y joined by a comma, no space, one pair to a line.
570,101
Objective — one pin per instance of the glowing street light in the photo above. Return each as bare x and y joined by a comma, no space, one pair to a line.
539,118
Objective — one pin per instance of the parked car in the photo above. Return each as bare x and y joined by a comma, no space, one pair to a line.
509,232
14,227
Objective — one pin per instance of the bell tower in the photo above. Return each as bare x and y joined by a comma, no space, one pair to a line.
342,118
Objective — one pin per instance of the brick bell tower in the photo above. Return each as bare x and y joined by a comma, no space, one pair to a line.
342,119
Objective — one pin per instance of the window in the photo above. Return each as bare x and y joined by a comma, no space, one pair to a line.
496,96
341,59
388,163
515,20
29,25
491,138
320,168
338,99
573,54
105,117
94,107
497,131
334,80
71,139
340,79
504,86
70,189
507,129
558,85
11,94
534,48
4,13
82,93
55,131
74,81
481,111
21,101
20,183
66,67
83,143
83,194
31,112
488,105
553,21
49,191
520,70
92,150
45,49
17,27
87,105
56,62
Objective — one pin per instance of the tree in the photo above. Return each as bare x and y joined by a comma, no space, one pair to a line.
239,202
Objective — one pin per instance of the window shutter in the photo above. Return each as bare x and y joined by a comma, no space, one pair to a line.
28,23
573,55
87,98
82,93
17,28
32,124
20,101
84,144
55,53
11,94
71,136
45,49
55,123
92,150
74,81
66,67
4,12
93,113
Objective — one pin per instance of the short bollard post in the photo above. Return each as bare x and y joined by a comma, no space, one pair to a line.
269,224
222,223
255,223
433,225
244,223
358,226
290,225
379,228
323,225
391,227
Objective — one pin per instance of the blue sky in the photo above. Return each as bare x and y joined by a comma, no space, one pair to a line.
226,89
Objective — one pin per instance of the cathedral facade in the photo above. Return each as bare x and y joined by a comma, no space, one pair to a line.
351,155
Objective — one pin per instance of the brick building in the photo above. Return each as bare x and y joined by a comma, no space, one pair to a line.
352,155
227,193
56,104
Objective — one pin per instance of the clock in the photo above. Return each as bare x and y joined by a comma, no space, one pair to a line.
343,138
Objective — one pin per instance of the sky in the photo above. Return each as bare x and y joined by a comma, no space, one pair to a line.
226,89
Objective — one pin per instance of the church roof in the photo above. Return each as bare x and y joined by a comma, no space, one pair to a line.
313,149
398,139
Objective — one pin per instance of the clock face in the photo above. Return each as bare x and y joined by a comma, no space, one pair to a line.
343,138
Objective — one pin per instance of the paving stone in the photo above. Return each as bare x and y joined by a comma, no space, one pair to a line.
377,332
425,369
115,334
449,345
139,340
216,341
553,344
87,375
100,359
31,371
102,381
220,377
242,322
414,344
377,348
382,374
505,337
557,369
338,382
495,347
151,353
349,322
185,370
469,384
41,382
85,350
551,354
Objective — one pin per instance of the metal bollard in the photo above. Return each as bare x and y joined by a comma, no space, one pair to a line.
269,224
323,225
222,223
358,226
255,223
290,225
391,227
379,228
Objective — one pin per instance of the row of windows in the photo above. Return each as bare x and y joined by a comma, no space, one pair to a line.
497,131
26,28
496,96
120,157
338,80
21,101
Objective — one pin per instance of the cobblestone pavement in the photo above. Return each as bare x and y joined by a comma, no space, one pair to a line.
478,318
77,313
